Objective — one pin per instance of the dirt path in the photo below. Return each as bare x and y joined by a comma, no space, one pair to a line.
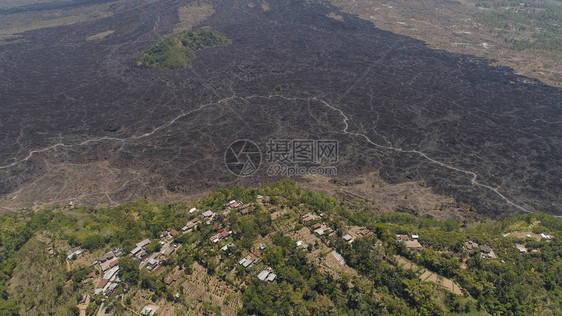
83,307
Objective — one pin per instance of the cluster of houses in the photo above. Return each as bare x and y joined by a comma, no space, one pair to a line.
321,229
221,234
411,242
139,252
267,275
308,217
486,251
109,264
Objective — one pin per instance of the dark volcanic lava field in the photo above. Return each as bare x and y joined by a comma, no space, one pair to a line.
81,121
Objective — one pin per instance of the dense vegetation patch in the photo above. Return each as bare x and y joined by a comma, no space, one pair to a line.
533,24
176,49
372,282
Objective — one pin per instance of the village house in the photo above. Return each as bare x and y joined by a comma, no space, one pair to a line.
246,262
227,246
521,248
108,256
402,237
365,232
487,252
234,204
267,275
73,253
168,250
191,224
172,278
152,264
207,215
143,243
338,257
412,244
109,264
469,245
347,238
244,211
149,310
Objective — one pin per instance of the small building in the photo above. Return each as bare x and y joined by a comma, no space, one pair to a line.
74,252
263,275
118,251
316,226
347,238
149,310
246,262
262,247
168,250
136,250
193,210
319,231
470,245
485,249
111,272
487,252
143,243
109,264
224,234
208,213
415,237
271,277
225,247
244,211
101,285
299,243
141,254
152,264
338,257
234,204
402,237
521,248
412,244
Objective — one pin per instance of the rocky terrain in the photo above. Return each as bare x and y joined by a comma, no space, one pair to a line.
81,121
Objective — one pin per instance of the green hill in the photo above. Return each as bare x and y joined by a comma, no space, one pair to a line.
176,49
276,250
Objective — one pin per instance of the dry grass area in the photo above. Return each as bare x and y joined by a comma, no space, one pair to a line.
193,14
450,25
523,235
200,287
100,35
97,184
429,276
334,16
413,197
